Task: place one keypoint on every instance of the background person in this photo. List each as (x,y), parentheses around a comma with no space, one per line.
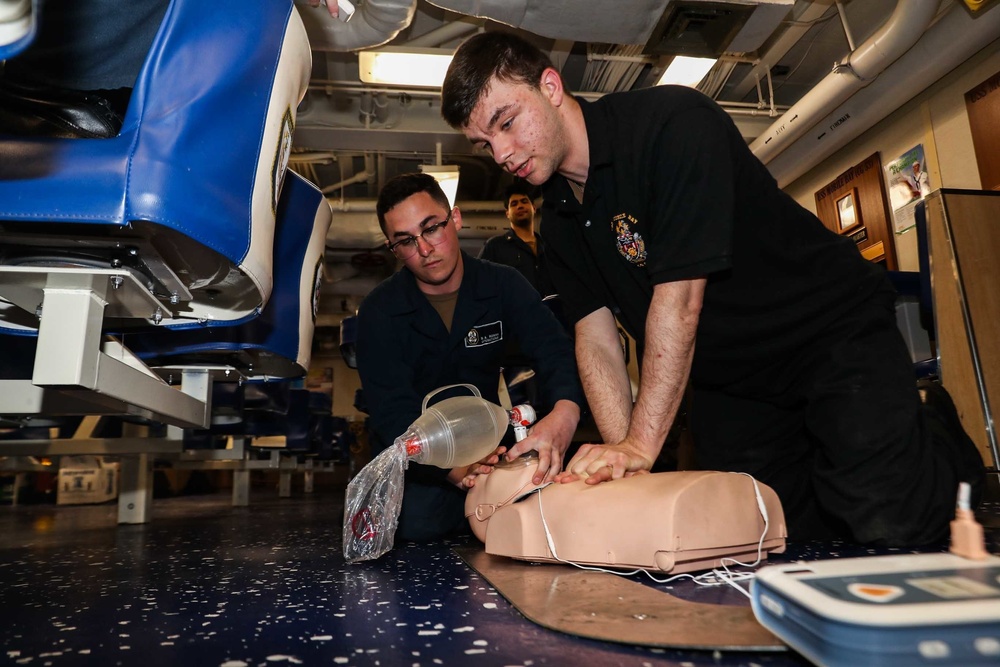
(519,246)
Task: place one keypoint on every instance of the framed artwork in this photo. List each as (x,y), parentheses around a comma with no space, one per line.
(848,212)
(855,205)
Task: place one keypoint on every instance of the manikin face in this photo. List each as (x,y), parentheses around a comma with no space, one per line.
(508,482)
(437,268)
(520,127)
(520,211)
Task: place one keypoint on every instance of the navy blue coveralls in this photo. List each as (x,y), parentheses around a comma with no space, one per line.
(404,352)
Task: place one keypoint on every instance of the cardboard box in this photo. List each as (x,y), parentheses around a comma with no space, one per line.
(87,479)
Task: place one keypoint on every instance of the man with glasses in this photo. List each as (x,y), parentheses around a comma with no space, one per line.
(443,319)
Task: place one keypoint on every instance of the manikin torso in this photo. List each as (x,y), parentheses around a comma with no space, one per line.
(671,522)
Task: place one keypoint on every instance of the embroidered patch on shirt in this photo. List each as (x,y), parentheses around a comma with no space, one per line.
(629,242)
(484,334)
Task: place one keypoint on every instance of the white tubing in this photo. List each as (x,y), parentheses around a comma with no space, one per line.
(950,42)
(893,39)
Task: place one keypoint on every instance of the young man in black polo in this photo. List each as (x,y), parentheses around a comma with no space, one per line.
(656,214)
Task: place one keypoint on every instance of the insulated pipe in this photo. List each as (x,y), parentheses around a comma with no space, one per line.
(373,24)
(313,156)
(579,21)
(893,39)
(368,206)
(949,42)
(359,177)
(446,33)
(365,174)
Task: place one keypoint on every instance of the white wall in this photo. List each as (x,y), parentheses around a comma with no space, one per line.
(936,118)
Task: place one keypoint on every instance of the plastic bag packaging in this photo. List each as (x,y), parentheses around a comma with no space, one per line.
(371,511)
(456,432)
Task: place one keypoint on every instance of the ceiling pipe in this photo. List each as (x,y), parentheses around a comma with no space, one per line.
(947,44)
(318,157)
(801,23)
(900,32)
(356,225)
(374,23)
(446,32)
(368,206)
(845,24)
(561,20)
(359,177)
(366,174)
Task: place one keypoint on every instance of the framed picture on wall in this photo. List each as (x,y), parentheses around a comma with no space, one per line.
(848,213)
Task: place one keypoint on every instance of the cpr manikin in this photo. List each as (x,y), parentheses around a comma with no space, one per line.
(670,522)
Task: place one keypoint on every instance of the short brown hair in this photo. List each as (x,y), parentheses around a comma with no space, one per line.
(480,59)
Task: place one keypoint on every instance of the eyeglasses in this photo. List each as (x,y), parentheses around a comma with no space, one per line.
(432,234)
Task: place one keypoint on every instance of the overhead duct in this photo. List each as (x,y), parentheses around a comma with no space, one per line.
(374,23)
(900,32)
(445,33)
(613,24)
(949,42)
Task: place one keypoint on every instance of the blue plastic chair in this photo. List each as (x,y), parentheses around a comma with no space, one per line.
(184,199)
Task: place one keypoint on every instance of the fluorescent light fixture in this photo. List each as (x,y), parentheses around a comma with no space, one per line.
(686,71)
(404,66)
(446,176)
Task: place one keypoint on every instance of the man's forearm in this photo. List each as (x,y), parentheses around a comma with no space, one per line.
(561,423)
(671,324)
(604,375)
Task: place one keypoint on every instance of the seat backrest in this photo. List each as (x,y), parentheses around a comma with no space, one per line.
(278,342)
(198,166)
(18,26)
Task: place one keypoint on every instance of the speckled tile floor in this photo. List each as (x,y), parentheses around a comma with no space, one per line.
(208,584)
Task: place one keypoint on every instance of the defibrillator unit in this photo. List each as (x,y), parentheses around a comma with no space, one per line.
(915,609)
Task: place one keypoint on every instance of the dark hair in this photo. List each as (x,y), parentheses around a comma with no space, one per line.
(405,186)
(480,59)
(516,188)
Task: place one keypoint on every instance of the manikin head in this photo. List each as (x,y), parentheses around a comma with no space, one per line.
(508,482)
(422,230)
(506,97)
(520,208)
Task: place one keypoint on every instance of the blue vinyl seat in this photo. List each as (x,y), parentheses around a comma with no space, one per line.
(18,26)
(184,199)
(277,342)
(186,221)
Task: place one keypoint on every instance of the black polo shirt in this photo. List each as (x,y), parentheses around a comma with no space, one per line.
(510,250)
(674,193)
